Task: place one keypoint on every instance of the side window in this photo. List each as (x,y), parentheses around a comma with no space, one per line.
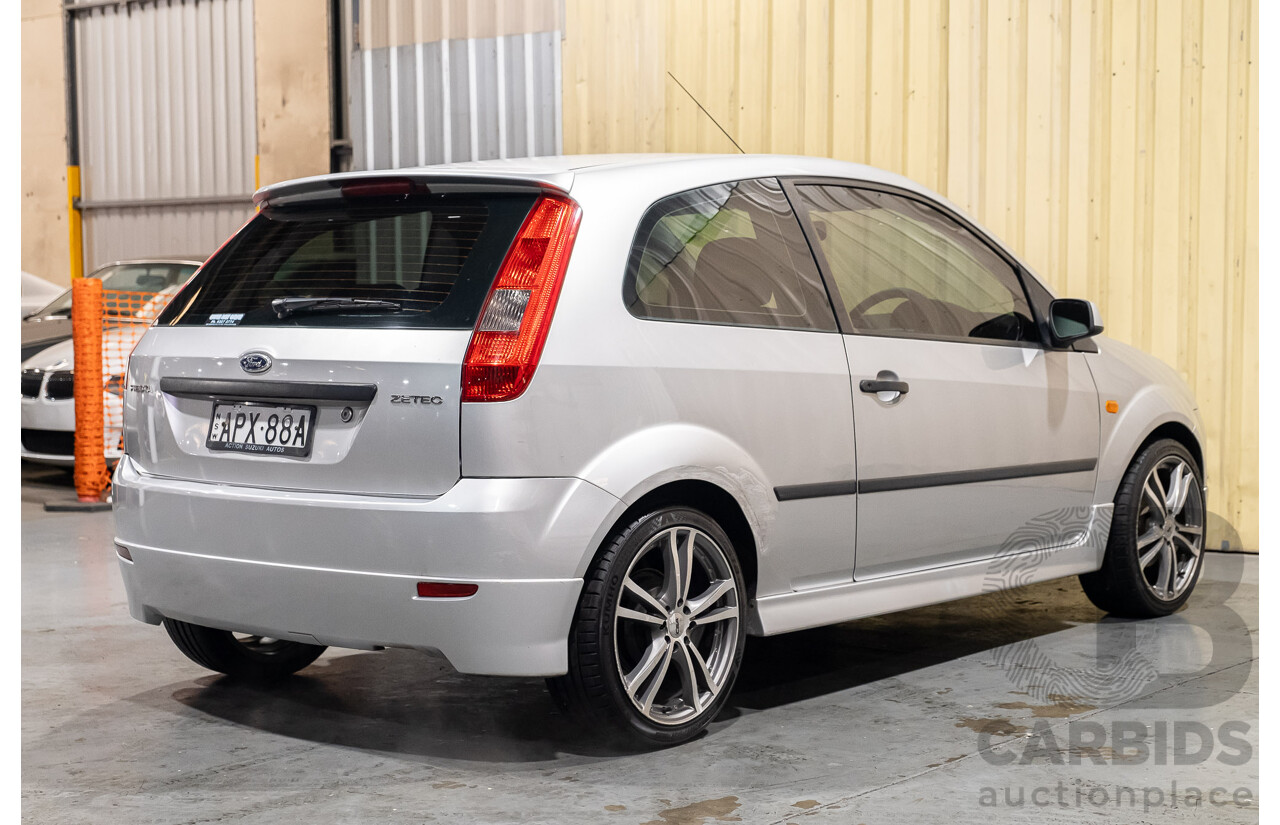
(731,253)
(904,267)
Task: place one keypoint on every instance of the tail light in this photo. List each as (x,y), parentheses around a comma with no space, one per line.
(513,325)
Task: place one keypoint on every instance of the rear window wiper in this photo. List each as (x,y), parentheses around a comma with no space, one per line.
(284,307)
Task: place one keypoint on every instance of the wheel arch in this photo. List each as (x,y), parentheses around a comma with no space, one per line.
(709,498)
(1114,463)
(717,503)
(1153,402)
(1152,413)
(1180,433)
(677,458)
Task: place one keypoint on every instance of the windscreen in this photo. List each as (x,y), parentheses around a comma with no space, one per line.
(425,262)
(137,277)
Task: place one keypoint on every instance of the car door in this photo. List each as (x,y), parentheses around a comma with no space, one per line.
(972,438)
(744,346)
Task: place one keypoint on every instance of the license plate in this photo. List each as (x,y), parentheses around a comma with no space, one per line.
(251,427)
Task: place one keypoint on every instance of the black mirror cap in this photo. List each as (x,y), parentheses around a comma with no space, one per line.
(1071,319)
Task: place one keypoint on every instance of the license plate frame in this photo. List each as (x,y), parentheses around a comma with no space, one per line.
(254,447)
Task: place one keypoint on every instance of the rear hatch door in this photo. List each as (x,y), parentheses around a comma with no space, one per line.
(321,349)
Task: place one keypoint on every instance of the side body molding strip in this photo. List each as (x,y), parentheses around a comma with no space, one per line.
(885,485)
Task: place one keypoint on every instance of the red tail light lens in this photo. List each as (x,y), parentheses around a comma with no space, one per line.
(513,324)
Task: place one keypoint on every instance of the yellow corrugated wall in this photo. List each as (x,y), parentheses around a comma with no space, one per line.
(1113,142)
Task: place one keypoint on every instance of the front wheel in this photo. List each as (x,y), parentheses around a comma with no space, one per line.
(241,656)
(1153,554)
(657,639)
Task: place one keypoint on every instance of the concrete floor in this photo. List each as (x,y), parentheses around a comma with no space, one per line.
(909,717)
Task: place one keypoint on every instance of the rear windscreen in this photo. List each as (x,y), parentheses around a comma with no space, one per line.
(425,263)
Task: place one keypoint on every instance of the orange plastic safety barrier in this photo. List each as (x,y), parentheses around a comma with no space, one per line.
(86,333)
(106,325)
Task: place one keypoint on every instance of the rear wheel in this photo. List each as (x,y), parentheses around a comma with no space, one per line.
(1154,552)
(239,655)
(657,639)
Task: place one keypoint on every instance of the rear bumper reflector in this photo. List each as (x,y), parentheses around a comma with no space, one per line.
(445,590)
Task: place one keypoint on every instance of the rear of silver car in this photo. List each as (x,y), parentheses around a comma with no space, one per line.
(299,405)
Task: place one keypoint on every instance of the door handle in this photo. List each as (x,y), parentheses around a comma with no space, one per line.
(878,385)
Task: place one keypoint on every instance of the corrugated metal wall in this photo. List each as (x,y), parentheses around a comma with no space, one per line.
(167,137)
(1115,143)
(435,82)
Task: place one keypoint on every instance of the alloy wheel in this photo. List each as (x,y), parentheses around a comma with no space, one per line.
(1170,528)
(675,625)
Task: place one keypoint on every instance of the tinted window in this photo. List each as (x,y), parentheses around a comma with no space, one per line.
(432,258)
(904,267)
(726,254)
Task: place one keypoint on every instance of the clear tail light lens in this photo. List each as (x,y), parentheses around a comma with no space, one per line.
(513,324)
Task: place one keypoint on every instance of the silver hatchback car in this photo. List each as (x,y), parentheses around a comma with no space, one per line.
(599,418)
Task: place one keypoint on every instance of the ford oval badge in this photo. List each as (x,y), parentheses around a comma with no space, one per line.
(255,363)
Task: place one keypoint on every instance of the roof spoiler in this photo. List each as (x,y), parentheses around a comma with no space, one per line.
(392,183)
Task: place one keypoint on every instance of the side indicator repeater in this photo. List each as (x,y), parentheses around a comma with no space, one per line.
(1113,407)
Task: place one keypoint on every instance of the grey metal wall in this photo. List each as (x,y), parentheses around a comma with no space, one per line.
(167,125)
(418,93)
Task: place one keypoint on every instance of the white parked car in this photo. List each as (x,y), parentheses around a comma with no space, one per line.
(599,418)
(47,409)
(51,322)
(37,292)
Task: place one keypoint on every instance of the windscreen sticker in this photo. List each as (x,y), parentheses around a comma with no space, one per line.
(224,319)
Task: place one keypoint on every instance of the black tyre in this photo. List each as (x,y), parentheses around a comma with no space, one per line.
(1154,551)
(657,639)
(252,658)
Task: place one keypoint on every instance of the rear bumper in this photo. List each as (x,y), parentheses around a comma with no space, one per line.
(342,570)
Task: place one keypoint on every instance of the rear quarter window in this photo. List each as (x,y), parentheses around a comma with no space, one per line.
(731,254)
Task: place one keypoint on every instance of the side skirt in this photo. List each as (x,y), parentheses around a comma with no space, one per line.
(787,612)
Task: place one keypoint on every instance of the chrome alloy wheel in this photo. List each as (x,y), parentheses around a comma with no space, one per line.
(675,625)
(1170,528)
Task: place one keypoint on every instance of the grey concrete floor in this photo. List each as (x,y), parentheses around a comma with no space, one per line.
(944,714)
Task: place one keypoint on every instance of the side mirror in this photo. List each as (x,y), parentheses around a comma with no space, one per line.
(1071,319)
